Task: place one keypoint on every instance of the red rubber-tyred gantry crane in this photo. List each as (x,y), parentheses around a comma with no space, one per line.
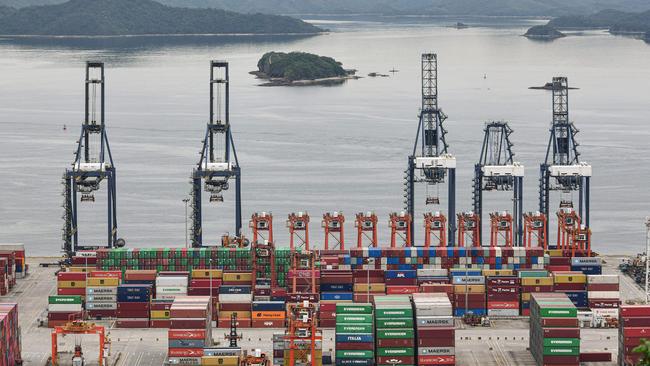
(333,225)
(79,328)
(303,334)
(435,226)
(468,230)
(400,228)
(262,226)
(298,223)
(366,225)
(535,230)
(501,229)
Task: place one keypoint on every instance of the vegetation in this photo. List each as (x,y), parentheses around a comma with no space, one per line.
(299,66)
(544,32)
(644,350)
(138,17)
(615,21)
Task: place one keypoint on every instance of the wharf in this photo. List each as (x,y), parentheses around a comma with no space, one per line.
(505,343)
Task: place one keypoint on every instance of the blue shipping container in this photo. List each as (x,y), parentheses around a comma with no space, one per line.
(336,287)
(354,338)
(400,274)
(355,361)
(269,306)
(235,289)
(336,296)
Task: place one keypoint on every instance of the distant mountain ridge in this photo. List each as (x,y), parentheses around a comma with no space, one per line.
(141,17)
(615,21)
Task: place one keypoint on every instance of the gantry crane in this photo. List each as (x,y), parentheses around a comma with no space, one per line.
(79,328)
(562,170)
(366,223)
(303,276)
(93,164)
(433,160)
(401,225)
(262,226)
(534,229)
(435,226)
(468,229)
(216,165)
(298,223)
(303,335)
(497,171)
(333,224)
(264,273)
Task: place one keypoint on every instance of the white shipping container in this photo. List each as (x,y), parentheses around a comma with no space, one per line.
(171,281)
(434,321)
(101,298)
(171,290)
(434,311)
(432,272)
(101,306)
(101,290)
(503,312)
(470,280)
(606,313)
(235,298)
(185,361)
(603,279)
(64,307)
(436,351)
(586,261)
(604,295)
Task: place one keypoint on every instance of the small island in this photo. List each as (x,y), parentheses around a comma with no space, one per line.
(300,69)
(544,32)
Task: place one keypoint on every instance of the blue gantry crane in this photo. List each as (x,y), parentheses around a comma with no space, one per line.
(562,170)
(497,171)
(433,160)
(218,162)
(93,164)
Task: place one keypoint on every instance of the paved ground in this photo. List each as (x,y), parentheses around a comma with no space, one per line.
(505,343)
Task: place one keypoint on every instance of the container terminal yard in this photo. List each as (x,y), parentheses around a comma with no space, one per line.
(516,295)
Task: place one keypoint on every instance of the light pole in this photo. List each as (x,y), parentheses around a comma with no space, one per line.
(647,258)
(186,200)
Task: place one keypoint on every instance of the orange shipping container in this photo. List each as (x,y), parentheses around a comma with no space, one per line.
(269,315)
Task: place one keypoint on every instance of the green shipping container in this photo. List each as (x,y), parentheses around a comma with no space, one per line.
(395,333)
(394,313)
(354,354)
(64,299)
(353,328)
(359,318)
(561,342)
(353,309)
(396,352)
(395,323)
(558,312)
(561,351)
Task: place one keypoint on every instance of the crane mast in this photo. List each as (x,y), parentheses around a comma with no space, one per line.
(432,160)
(218,162)
(562,170)
(93,164)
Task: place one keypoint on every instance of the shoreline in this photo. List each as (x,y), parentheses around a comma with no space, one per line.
(335,80)
(160,35)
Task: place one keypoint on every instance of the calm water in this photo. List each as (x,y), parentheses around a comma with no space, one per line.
(316,148)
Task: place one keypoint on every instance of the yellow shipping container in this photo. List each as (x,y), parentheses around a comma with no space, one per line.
(240,314)
(71,284)
(472,289)
(374,287)
(555,253)
(269,314)
(525,296)
(159,314)
(80,269)
(238,277)
(537,281)
(220,361)
(570,278)
(98,282)
(205,273)
(319,358)
(498,272)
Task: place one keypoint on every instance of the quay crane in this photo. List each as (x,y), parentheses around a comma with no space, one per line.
(366,224)
(497,171)
(93,164)
(563,171)
(216,165)
(433,161)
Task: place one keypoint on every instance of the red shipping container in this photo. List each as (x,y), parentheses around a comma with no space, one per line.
(102,313)
(436,360)
(502,281)
(604,303)
(64,315)
(562,360)
(363,273)
(561,333)
(71,276)
(267,323)
(369,280)
(393,343)
(132,323)
(401,281)
(398,290)
(71,291)
(186,334)
(241,323)
(595,357)
(635,321)
(602,287)
(636,332)
(328,307)
(235,306)
(503,304)
(539,288)
(189,312)
(503,297)
(327,323)
(190,323)
(132,306)
(364,297)
(106,274)
(216,283)
(569,287)
(561,261)
(437,288)
(161,305)
(396,360)
(185,352)
(635,310)
(160,323)
(559,322)
(437,342)
(442,332)
(132,313)
(356,346)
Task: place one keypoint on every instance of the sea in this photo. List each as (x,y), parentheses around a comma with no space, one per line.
(317,149)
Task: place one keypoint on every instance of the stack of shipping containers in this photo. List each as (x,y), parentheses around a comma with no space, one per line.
(533,282)
(336,287)
(62,309)
(133,306)
(503,297)
(206,282)
(367,283)
(10,270)
(354,335)
(574,285)
(278,349)
(170,285)
(435,331)
(71,283)
(4,279)
(268,314)
(469,294)
(401,282)
(587,265)
(101,293)
(235,297)
(190,329)
(395,333)
(603,295)
(9,335)
(634,325)
(554,331)
(20,267)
